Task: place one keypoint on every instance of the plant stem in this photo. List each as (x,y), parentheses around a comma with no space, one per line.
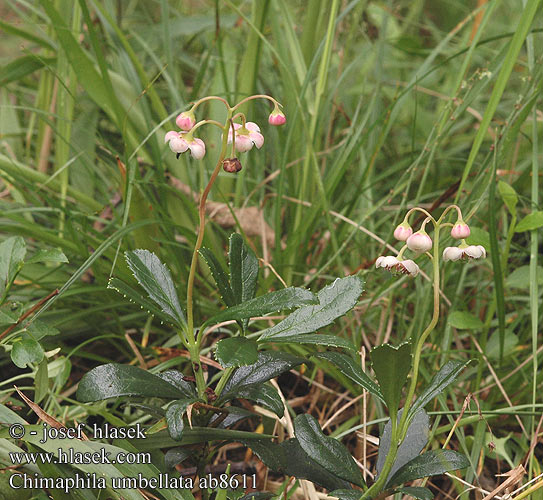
(194,346)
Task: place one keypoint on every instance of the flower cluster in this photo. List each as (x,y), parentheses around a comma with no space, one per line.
(243,136)
(420,242)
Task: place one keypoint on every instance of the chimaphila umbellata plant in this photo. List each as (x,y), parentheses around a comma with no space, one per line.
(250,359)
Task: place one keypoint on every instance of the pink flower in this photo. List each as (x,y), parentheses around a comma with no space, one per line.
(186,120)
(246,137)
(394,264)
(419,242)
(464,252)
(179,144)
(460,231)
(403,231)
(277,117)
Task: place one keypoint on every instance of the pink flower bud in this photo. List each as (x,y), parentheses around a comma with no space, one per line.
(403,231)
(277,117)
(419,242)
(460,231)
(186,120)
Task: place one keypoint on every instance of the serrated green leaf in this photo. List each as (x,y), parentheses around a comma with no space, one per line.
(12,254)
(419,492)
(443,378)
(156,279)
(174,417)
(263,394)
(316,339)
(415,440)
(346,494)
(175,456)
(530,222)
(236,351)
(286,298)
(25,352)
(243,269)
(509,196)
(351,369)
(220,276)
(464,320)
(431,463)
(269,365)
(136,297)
(48,255)
(113,380)
(335,300)
(391,366)
(328,452)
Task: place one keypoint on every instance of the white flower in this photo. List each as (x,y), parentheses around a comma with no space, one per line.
(419,242)
(246,137)
(464,252)
(178,144)
(394,264)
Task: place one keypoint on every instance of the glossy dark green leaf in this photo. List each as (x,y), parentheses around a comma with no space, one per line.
(156,279)
(443,378)
(12,254)
(235,415)
(220,276)
(315,339)
(391,366)
(26,351)
(174,417)
(418,492)
(346,494)
(415,440)
(48,255)
(236,351)
(175,456)
(352,369)
(177,379)
(326,451)
(290,459)
(263,394)
(431,463)
(269,365)
(334,301)
(113,380)
(286,298)
(243,269)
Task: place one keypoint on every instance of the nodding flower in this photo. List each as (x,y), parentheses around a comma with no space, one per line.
(460,230)
(394,264)
(403,231)
(277,117)
(419,242)
(185,120)
(246,136)
(464,252)
(179,143)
